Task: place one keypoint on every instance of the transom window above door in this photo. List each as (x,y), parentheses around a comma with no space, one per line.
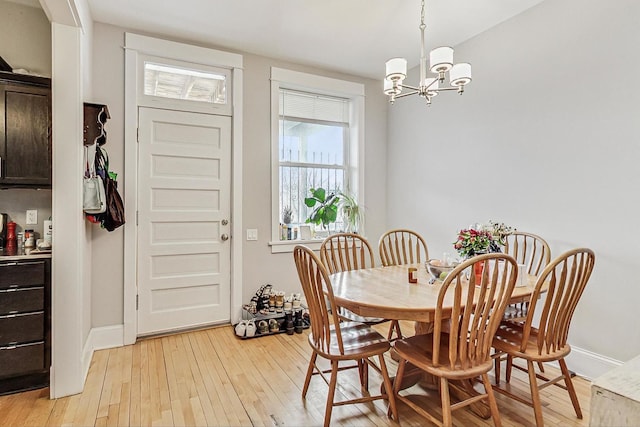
(182,83)
(185,86)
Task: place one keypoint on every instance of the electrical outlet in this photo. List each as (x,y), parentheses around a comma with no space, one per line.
(252,234)
(32,217)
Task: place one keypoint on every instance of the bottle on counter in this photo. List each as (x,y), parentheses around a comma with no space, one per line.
(29,238)
(48,230)
(11,238)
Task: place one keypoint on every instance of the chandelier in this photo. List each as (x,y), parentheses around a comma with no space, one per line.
(440,61)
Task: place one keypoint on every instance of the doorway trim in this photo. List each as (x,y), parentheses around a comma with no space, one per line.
(134,45)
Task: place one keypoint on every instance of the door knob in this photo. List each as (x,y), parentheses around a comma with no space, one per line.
(224,237)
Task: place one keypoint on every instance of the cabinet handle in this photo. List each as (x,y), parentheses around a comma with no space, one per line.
(15,288)
(11,316)
(14,345)
(0,167)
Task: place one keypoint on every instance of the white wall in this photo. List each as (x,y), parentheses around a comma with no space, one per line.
(259,265)
(546,139)
(26,38)
(107,276)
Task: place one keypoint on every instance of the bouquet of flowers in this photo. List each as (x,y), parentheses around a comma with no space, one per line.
(480,239)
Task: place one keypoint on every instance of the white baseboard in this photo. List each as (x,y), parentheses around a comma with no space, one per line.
(98,339)
(588,364)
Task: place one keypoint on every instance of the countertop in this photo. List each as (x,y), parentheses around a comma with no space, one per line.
(23,254)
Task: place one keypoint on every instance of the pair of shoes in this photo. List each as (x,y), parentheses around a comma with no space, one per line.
(246,328)
(263,327)
(274,326)
(251,328)
(298,325)
(289,323)
(241,328)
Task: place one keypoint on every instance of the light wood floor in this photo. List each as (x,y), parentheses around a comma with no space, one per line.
(210,377)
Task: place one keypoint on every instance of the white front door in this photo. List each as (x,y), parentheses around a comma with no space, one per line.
(184,257)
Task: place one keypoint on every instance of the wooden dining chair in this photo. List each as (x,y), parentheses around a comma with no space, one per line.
(532,251)
(563,281)
(461,348)
(338,341)
(349,251)
(402,247)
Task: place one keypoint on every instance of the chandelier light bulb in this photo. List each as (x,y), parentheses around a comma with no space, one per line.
(396,69)
(460,74)
(441,59)
(389,89)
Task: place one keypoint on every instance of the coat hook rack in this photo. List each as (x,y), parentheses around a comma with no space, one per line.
(95,117)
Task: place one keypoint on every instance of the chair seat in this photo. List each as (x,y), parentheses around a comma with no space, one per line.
(508,339)
(350,316)
(359,341)
(418,351)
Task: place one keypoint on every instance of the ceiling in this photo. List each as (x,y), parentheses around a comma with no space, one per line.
(351,36)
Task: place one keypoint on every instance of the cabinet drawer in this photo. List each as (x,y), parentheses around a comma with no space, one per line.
(20,328)
(19,300)
(15,274)
(21,359)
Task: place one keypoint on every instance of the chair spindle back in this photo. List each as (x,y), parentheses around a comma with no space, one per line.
(566,278)
(402,246)
(477,309)
(345,252)
(528,249)
(319,295)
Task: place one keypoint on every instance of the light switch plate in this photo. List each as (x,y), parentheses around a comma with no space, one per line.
(32,217)
(252,234)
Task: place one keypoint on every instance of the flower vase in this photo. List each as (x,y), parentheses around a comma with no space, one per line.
(478,267)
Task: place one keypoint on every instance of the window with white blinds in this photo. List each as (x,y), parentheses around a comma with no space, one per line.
(313,150)
(317,141)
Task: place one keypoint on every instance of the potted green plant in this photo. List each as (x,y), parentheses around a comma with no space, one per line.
(325,207)
(287,217)
(351,212)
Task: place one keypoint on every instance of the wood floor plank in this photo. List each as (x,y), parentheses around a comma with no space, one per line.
(135,396)
(219,386)
(210,377)
(19,410)
(60,408)
(40,410)
(90,400)
(201,403)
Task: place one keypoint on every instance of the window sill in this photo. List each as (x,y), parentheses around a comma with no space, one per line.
(282,246)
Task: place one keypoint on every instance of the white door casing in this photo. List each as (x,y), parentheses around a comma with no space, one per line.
(184,206)
(137,46)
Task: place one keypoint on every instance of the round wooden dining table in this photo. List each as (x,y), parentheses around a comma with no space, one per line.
(385,292)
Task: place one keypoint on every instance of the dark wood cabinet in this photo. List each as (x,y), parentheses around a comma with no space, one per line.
(25,324)
(25,130)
